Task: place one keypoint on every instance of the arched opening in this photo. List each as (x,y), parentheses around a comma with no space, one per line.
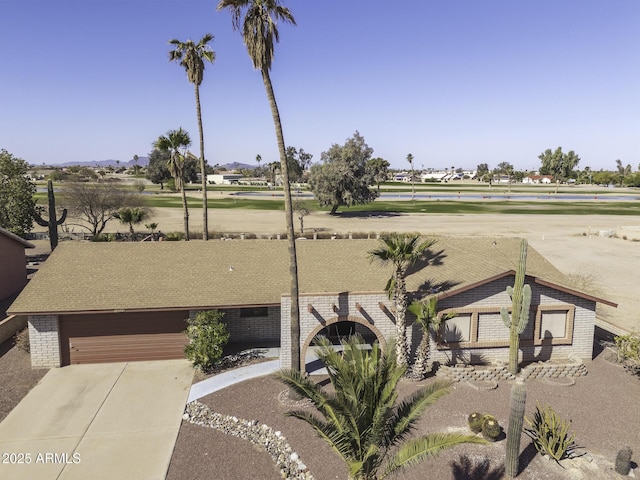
(341,327)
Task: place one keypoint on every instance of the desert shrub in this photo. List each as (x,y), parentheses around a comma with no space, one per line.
(623,461)
(104,237)
(475,422)
(21,340)
(207,338)
(550,434)
(628,346)
(174,236)
(491,429)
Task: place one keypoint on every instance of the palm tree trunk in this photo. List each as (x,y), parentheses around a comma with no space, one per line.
(185,209)
(402,347)
(422,357)
(203,174)
(288,208)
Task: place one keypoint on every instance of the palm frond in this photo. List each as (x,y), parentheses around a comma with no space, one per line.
(409,411)
(418,449)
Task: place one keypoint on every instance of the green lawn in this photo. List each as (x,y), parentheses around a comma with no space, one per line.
(589,207)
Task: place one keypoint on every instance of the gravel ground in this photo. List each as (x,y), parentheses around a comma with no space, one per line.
(603,407)
(16,376)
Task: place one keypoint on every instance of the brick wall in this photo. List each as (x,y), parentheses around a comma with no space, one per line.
(250,329)
(486,301)
(44,339)
(318,311)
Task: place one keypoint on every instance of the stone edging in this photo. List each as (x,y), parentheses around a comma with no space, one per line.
(263,436)
(574,367)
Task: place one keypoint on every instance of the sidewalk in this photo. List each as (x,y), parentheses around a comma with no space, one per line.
(237,375)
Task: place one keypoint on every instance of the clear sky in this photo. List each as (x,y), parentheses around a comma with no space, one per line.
(454,82)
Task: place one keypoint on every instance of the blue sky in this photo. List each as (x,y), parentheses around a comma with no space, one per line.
(455,83)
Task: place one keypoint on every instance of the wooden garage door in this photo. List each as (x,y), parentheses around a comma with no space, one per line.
(122,337)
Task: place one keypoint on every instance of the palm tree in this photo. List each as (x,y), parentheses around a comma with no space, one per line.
(176,142)
(413,187)
(402,250)
(192,56)
(132,216)
(362,420)
(622,171)
(426,313)
(259,29)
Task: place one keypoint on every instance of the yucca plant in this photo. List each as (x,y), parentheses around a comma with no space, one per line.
(362,421)
(550,434)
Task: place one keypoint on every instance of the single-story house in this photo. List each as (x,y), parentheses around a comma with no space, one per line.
(223,178)
(103,302)
(537,179)
(13,273)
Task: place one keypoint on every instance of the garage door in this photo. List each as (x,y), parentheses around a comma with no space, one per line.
(122,337)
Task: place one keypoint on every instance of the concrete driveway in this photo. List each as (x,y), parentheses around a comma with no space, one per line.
(106,421)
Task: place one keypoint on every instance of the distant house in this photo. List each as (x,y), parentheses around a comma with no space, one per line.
(537,179)
(13,270)
(79,312)
(223,178)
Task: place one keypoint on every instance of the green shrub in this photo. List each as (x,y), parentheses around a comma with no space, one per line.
(174,236)
(104,237)
(207,338)
(491,429)
(475,422)
(550,434)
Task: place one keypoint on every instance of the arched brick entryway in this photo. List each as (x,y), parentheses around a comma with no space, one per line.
(345,318)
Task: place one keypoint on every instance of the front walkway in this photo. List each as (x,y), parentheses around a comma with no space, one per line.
(236,375)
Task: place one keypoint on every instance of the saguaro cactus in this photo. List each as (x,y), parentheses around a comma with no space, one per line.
(52,222)
(520,301)
(514,430)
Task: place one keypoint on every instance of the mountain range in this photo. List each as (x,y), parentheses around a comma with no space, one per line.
(143,162)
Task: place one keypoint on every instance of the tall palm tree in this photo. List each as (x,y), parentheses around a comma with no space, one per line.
(622,171)
(401,250)
(426,313)
(259,29)
(413,186)
(192,56)
(362,420)
(176,142)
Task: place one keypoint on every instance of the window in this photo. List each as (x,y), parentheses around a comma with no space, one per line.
(457,329)
(254,312)
(482,327)
(554,324)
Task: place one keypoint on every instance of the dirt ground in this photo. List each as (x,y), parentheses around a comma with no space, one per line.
(571,242)
(602,407)
(16,376)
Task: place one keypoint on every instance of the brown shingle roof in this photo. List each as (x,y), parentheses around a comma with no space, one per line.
(182,275)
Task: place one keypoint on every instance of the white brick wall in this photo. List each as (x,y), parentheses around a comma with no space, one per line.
(491,327)
(44,338)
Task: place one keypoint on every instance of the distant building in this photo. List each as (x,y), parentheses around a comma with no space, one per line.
(224,178)
(537,179)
